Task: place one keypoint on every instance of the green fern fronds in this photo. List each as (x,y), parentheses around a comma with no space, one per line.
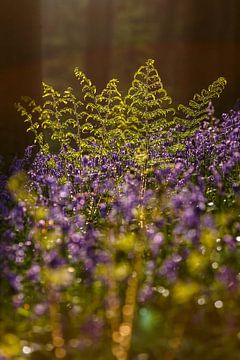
(147,104)
(96,124)
(72,112)
(52,115)
(197,110)
(62,119)
(87,88)
(108,117)
(31,112)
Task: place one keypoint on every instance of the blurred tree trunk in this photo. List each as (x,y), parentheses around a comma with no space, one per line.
(20,69)
(99,32)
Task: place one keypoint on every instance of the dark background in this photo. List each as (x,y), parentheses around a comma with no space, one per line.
(192,41)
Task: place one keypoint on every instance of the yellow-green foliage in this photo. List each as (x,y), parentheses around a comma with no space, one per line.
(97,123)
(147,103)
(197,110)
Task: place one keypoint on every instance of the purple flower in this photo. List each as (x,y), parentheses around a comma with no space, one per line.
(230,242)
(40,309)
(227,277)
(156,243)
(33,273)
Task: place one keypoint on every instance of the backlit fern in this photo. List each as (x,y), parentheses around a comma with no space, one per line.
(147,103)
(197,110)
(107,117)
(96,124)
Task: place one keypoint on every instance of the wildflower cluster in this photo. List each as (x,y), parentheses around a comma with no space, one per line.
(120,233)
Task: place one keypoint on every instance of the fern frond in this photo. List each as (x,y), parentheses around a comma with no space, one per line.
(197,110)
(88,89)
(143,122)
(31,111)
(147,106)
(106,116)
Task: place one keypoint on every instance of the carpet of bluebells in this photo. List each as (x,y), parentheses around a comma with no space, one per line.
(110,259)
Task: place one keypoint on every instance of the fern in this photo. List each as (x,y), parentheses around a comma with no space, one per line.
(31,112)
(197,110)
(74,116)
(147,105)
(52,115)
(107,115)
(96,124)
